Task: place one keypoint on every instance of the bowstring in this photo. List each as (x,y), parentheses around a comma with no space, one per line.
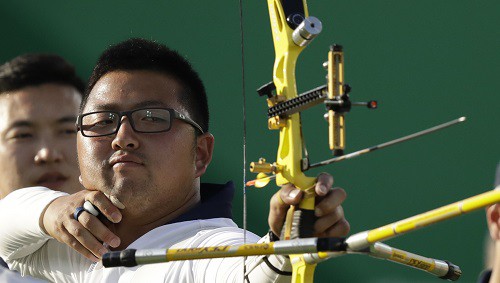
(242,43)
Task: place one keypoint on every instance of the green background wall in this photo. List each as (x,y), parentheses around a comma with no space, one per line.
(426,62)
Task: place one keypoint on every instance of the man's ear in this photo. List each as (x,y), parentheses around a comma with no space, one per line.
(493,219)
(204,152)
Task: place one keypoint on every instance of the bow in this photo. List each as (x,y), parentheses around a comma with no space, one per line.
(292,30)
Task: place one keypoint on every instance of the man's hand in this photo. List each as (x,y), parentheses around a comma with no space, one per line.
(87,234)
(331,221)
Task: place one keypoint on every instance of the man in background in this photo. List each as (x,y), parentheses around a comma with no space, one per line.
(39,99)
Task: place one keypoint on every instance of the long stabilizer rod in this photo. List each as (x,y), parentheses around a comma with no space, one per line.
(440,268)
(363,240)
(315,250)
(133,257)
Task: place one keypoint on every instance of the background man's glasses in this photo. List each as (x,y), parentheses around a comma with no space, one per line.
(147,120)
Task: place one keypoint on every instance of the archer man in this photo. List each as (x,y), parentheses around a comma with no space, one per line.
(143,144)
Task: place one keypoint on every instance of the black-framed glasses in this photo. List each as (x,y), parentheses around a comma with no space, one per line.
(145,120)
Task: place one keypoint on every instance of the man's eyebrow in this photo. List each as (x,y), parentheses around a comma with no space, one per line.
(26,123)
(116,106)
(21,123)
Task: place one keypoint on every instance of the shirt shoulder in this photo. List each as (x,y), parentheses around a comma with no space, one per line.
(194,233)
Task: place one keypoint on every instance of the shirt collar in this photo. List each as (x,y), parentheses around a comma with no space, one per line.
(216,202)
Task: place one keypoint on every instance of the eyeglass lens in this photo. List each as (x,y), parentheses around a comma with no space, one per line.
(142,120)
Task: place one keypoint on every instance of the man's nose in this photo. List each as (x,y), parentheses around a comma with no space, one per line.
(126,137)
(48,154)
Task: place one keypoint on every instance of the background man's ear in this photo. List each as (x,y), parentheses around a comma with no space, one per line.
(204,152)
(493,219)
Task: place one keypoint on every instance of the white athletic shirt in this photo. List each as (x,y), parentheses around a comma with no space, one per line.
(26,248)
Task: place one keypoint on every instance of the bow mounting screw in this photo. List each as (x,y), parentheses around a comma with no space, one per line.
(263,167)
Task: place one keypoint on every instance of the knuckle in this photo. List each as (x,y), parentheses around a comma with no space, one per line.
(107,237)
(339,212)
(106,210)
(285,190)
(345,227)
(95,197)
(85,220)
(324,223)
(340,193)
(282,196)
(73,244)
(276,200)
(63,238)
(273,203)
(77,231)
(325,178)
(58,231)
(318,227)
(59,227)
(91,196)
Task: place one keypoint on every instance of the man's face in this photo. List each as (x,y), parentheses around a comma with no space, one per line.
(144,171)
(37,138)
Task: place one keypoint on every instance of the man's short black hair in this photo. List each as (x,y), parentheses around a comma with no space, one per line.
(142,54)
(36,69)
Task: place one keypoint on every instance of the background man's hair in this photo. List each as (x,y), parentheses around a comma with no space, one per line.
(36,69)
(142,54)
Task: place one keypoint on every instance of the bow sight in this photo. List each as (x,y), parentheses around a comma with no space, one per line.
(335,96)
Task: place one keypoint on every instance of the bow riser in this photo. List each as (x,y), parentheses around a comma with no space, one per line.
(289,156)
